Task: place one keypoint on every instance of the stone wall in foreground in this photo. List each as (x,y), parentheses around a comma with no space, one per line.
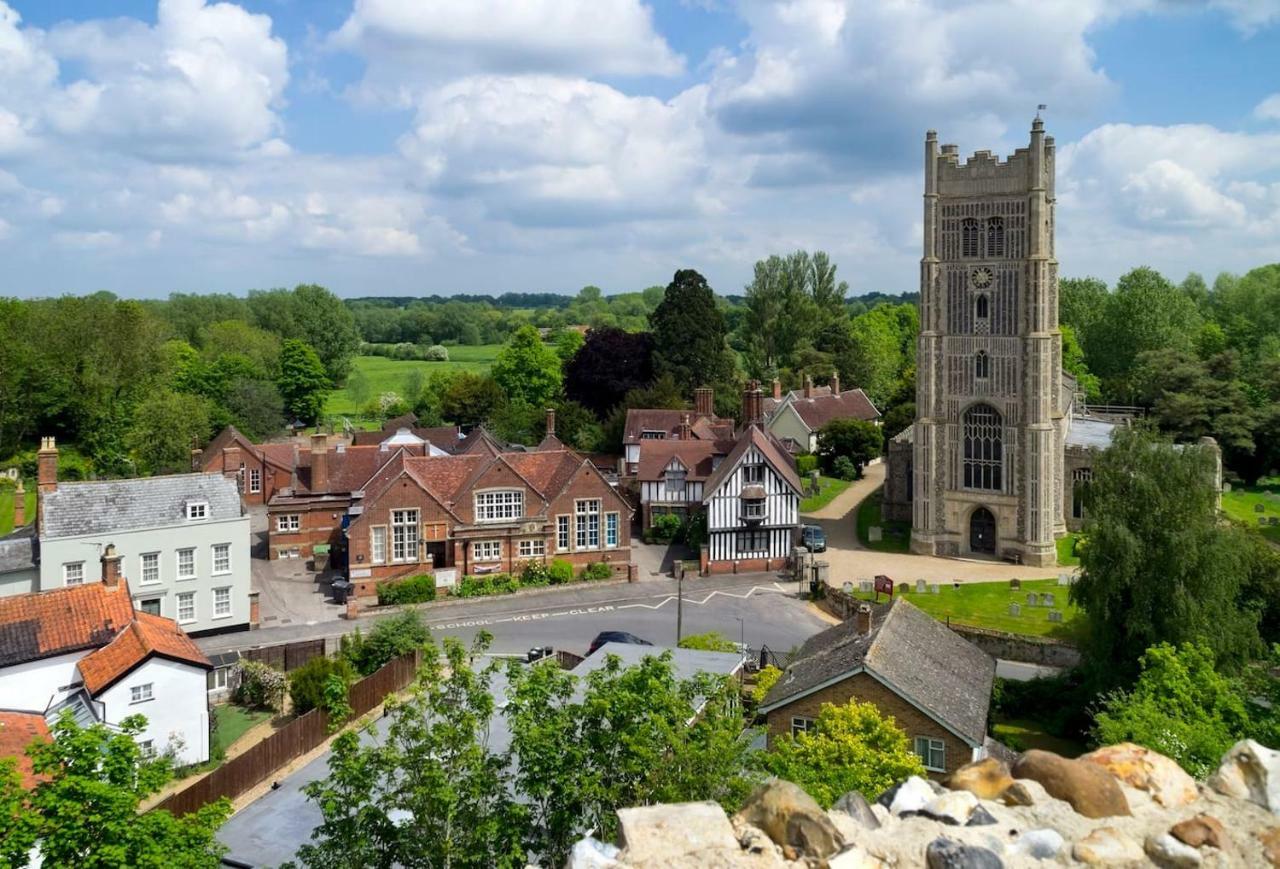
(1119,806)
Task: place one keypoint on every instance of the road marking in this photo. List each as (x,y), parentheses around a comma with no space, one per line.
(525,617)
(776,589)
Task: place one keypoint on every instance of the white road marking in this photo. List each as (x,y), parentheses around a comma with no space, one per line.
(693,602)
(526,617)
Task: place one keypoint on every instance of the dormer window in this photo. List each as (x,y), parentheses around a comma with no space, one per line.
(197,511)
(501,505)
(675,479)
(651,435)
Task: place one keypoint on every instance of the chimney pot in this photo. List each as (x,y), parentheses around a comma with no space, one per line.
(835,382)
(777,389)
(808,386)
(47,465)
(704,401)
(19,505)
(752,404)
(685,431)
(319,462)
(110,566)
(863,617)
(551,422)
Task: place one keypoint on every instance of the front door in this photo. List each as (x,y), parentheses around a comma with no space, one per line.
(982,531)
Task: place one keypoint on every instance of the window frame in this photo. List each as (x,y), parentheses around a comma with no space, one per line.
(752,473)
(982,449)
(67,571)
(486,551)
(970,238)
(159,602)
(195,568)
(675,480)
(142,568)
(255,481)
(612,534)
(143,693)
(226,547)
(931,744)
(491,506)
(982,306)
(229,612)
(802,724)
(288,523)
(197,511)
(376,532)
(191,596)
(754,508)
(406,535)
(752,535)
(588,532)
(982,365)
(531,547)
(564,532)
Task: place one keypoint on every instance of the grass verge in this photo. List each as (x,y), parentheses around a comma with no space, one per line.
(896,536)
(828,488)
(986,605)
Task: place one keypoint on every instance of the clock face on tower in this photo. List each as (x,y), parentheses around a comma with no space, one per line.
(980,277)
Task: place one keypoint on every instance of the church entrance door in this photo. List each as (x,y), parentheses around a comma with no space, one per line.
(982,531)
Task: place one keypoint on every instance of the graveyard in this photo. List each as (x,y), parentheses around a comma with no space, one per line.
(1033,607)
(1256,506)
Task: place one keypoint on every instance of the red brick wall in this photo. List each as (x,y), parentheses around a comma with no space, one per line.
(318,523)
(273,479)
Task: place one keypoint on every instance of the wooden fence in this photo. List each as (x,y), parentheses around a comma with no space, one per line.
(295,739)
(286,656)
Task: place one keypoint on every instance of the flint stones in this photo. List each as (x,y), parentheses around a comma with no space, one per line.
(1270,841)
(855,806)
(953,807)
(911,795)
(1091,790)
(1107,846)
(1021,793)
(1250,771)
(791,818)
(944,853)
(1199,831)
(1040,844)
(1148,771)
(1167,851)
(854,857)
(986,779)
(662,833)
(980,818)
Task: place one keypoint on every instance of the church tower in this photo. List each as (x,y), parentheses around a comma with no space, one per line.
(991,409)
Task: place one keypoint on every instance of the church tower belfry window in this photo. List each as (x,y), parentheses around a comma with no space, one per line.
(969,237)
(995,237)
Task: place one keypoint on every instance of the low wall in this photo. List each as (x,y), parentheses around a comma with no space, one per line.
(1017,647)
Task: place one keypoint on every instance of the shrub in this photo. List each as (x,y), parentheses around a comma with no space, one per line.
(844,468)
(535,573)
(258,686)
(711,641)
(389,639)
(806,464)
(597,570)
(561,572)
(436,353)
(482,586)
(307,683)
(665,527)
(414,589)
(765,680)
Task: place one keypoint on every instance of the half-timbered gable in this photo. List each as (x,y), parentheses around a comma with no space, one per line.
(671,475)
(752,502)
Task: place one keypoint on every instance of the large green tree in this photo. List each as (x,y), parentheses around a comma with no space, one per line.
(882,350)
(1146,312)
(166,425)
(312,314)
(528,369)
(303,383)
(857,440)
(689,333)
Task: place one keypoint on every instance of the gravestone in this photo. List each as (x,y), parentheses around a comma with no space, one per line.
(1055,616)
(1275,520)
(1047,599)
(1259,508)
(848,588)
(1015,585)
(1032,600)
(875,534)
(1064,579)
(903,588)
(1015,610)
(935,589)
(866,586)
(920,586)
(1262,520)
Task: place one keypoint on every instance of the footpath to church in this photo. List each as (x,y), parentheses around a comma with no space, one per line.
(850,561)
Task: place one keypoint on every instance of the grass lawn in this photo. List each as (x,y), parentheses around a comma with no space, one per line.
(896,536)
(1021,734)
(1240,504)
(233,722)
(1066,545)
(828,488)
(389,375)
(986,605)
(6,508)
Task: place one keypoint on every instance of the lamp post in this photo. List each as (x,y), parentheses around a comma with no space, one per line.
(679,606)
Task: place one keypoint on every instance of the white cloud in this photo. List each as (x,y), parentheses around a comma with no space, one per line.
(1268,109)
(1249,16)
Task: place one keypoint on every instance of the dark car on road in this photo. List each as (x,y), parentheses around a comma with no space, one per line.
(813,538)
(615,637)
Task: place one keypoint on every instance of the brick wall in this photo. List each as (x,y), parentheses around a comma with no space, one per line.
(318,523)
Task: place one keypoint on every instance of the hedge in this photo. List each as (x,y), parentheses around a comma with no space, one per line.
(414,589)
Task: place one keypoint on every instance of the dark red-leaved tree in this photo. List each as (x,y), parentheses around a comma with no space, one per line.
(609,364)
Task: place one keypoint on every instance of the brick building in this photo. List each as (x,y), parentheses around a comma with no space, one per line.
(935,684)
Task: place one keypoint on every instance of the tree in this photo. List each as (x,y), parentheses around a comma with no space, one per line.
(255,408)
(390,638)
(528,369)
(567,343)
(780,312)
(609,364)
(86,811)
(881,350)
(711,641)
(1146,312)
(470,398)
(899,418)
(1073,363)
(307,683)
(313,315)
(1159,566)
(857,440)
(689,333)
(165,427)
(1082,303)
(851,748)
(303,383)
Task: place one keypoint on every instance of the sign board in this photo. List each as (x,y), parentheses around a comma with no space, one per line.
(884,584)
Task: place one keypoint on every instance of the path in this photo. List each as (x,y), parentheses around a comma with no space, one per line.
(850,561)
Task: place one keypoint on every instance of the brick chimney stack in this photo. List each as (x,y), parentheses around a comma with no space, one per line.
(47,466)
(551,422)
(319,462)
(704,401)
(777,389)
(110,566)
(863,619)
(685,431)
(752,404)
(808,386)
(231,462)
(835,382)
(19,505)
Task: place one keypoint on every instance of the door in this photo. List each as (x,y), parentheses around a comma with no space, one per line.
(982,531)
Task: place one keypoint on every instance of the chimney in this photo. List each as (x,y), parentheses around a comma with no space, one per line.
(197,458)
(47,466)
(685,431)
(835,382)
(777,389)
(230,461)
(319,462)
(752,404)
(551,422)
(19,505)
(704,401)
(110,566)
(863,619)
(808,386)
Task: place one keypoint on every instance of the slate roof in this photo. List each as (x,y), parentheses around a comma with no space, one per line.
(112,506)
(698,458)
(18,549)
(146,635)
(918,657)
(819,410)
(47,623)
(773,453)
(17,730)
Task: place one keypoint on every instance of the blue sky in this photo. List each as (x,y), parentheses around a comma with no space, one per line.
(412,147)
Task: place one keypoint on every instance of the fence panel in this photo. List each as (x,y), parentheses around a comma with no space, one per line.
(297,654)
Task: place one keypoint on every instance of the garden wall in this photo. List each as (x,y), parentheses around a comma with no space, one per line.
(1016,647)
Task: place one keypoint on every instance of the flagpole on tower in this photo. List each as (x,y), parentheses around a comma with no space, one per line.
(1040,108)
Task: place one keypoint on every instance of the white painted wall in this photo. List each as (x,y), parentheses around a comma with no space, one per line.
(19,582)
(724,512)
(179,708)
(31,686)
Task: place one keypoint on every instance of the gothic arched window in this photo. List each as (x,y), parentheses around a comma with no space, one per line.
(995,236)
(983,448)
(982,307)
(969,237)
(982,365)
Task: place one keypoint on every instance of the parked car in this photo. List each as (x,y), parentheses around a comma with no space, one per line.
(813,538)
(615,637)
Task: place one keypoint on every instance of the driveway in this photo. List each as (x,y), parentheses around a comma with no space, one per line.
(850,561)
(287,592)
(654,560)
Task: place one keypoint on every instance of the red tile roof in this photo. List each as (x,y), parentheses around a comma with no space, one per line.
(444,476)
(145,636)
(697,457)
(47,623)
(641,420)
(17,730)
(821,409)
(769,448)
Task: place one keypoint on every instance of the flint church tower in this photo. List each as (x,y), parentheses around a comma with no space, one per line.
(987,455)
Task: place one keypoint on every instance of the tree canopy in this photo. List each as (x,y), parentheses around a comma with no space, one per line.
(528,369)
(689,333)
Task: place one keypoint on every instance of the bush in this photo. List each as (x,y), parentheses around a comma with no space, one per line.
(665,527)
(436,353)
(482,586)
(258,686)
(535,573)
(711,641)
(561,572)
(390,638)
(765,680)
(844,468)
(806,464)
(307,683)
(414,589)
(597,570)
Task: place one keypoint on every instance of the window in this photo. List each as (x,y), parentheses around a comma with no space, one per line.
(141,693)
(186,607)
(753,508)
(197,510)
(1080,479)
(150,605)
(255,479)
(288,522)
(217,678)
(983,448)
(675,480)
(982,365)
(611,530)
(486,550)
(73,573)
(533,548)
(753,473)
(802,724)
(147,747)
(562,533)
(588,524)
(499,506)
(404,535)
(969,237)
(653,435)
(222,558)
(995,236)
(982,307)
(222,602)
(933,752)
(186,564)
(150,568)
(752,541)
(378,544)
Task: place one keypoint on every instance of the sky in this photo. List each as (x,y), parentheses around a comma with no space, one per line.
(419,147)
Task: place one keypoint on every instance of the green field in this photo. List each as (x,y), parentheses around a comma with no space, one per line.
(6,509)
(828,488)
(986,605)
(1242,503)
(389,375)
(896,535)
